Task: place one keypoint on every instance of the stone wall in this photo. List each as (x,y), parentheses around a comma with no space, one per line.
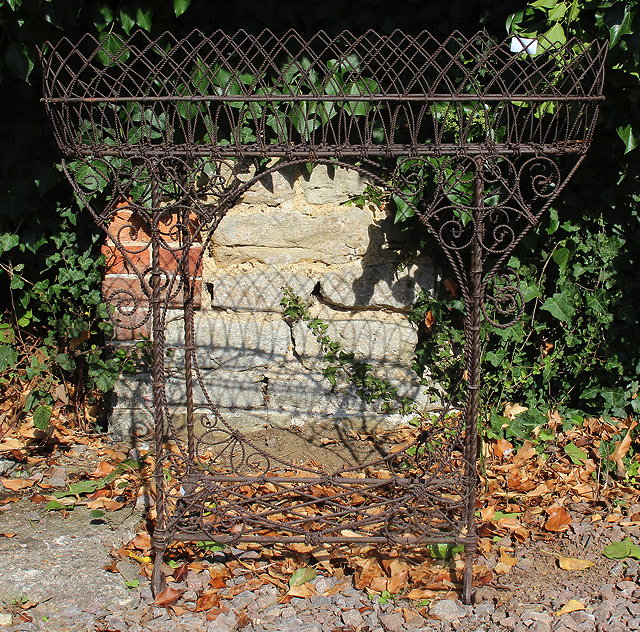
(292,230)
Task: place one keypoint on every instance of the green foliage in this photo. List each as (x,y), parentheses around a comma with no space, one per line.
(444,551)
(343,365)
(622,550)
(576,348)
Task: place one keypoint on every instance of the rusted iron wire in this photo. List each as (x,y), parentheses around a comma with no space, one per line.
(476,139)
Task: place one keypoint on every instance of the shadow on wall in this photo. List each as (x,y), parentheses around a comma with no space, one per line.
(293,230)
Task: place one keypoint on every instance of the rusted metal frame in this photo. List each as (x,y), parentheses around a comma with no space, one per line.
(468,261)
(161,535)
(472,362)
(349,151)
(205,535)
(340,98)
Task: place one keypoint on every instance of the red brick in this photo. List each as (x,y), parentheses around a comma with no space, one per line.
(126,291)
(139,259)
(167,227)
(122,287)
(127,225)
(129,327)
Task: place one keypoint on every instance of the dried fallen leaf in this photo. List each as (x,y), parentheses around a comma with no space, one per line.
(145,559)
(8,535)
(303,591)
(502,448)
(571,606)
(212,614)
(574,563)
(11,444)
(334,590)
(104,469)
(507,559)
(168,597)
(559,519)
(621,450)
(207,600)
(142,542)
(397,582)
(429,320)
(420,593)
(178,611)
(179,573)
(511,410)
(16,484)
(501,568)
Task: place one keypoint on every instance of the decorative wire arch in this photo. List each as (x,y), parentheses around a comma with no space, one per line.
(477,136)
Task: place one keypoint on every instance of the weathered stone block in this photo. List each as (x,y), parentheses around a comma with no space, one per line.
(259,291)
(332,185)
(125,423)
(385,285)
(230,341)
(137,423)
(375,337)
(290,389)
(289,236)
(229,389)
(271,189)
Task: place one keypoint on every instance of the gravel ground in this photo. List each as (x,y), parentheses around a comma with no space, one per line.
(52,578)
(57,563)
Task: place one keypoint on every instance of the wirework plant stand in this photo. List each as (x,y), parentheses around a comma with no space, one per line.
(478,137)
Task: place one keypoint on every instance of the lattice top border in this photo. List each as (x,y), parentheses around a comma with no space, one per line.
(354,86)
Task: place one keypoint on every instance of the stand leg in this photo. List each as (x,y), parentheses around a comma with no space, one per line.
(158,582)
(472,365)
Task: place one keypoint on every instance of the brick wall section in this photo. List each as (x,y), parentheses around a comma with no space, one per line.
(122,287)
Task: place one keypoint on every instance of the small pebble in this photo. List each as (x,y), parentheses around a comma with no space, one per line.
(393,622)
(352,618)
(447,610)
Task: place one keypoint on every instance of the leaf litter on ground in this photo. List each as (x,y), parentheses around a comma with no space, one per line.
(527,492)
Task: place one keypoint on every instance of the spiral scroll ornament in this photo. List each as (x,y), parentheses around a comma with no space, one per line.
(162,136)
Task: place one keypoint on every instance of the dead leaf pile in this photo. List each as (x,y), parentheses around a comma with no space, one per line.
(527,491)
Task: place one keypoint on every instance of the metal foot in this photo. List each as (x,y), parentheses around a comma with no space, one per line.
(158,578)
(467,581)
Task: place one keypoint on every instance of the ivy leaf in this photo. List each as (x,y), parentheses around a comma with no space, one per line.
(560,306)
(42,416)
(554,36)
(621,26)
(576,454)
(597,302)
(561,257)
(54,505)
(544,4)
(127,21)
(81,487)
(180,6)
(65,362)
(615,400)
(444,551)
(19,60)
(7,242)
(112,50)
(403,210)
(143,18)
(301,576)
(557,12)
(622,550)
(628,137)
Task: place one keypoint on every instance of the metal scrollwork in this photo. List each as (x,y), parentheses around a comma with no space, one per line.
(161,137)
